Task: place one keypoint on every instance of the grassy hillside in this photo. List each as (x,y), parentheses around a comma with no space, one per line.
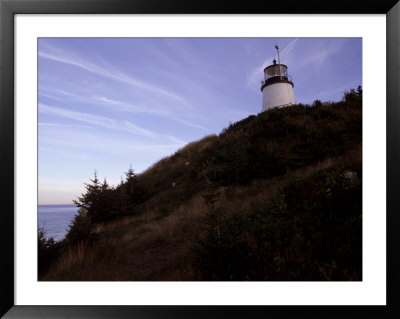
(276,196)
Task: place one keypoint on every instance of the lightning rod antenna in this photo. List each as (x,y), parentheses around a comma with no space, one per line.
(279,61)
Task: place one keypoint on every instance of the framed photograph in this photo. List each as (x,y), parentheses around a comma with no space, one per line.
(245,163)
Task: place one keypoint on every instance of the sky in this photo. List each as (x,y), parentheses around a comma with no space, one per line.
(105,104)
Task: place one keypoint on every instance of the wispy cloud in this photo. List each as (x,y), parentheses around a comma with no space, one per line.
(138,130)
(115,75)
(49,96)
(105,122)
(285,53)
(176,140)
(132,108)
(190,124)
(89,144)
(256,74)
(97,120)
(60,125)
(319,55)
(289,47)
(56,93)
(128,107)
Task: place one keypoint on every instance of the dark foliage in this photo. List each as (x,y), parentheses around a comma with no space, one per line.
(48,251)
(311,232)
(80,229)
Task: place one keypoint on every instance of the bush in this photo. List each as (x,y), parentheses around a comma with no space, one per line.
(317,103)
(80,228)
(311,231)
(48,251)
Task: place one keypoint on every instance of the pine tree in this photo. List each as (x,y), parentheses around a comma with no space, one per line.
(123,200)
(130,185)
(90,200)
(97,201)
(80,228)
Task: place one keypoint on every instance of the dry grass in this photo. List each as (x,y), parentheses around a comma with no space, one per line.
(199,146)
(103,227)
(144,247)
(177,222)
(74,258)
(186,153)
(246,197)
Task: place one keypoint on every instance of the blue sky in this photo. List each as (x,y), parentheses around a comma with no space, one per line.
(107,103)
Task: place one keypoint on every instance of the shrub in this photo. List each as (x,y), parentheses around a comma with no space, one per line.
(80,228)
(317,103)
(48,251)
(311,231)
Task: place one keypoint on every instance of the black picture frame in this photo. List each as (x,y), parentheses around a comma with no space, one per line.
(8,8)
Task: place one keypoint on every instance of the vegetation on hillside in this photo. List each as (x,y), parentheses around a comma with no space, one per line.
(310,231)
(276,196)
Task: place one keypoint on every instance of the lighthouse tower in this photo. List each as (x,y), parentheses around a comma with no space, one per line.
(277,86)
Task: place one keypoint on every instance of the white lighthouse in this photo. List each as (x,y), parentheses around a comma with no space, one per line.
(277,86)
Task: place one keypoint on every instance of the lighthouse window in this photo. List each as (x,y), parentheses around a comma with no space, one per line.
(273,70)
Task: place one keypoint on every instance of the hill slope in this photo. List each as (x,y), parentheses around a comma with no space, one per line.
(275,196)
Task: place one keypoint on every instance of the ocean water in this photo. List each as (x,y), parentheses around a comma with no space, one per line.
(55,219)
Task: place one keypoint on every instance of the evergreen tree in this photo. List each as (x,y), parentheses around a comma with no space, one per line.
(80,228)
(90,200)
(121,191)
(48,250)
(97,201)
(130,186)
